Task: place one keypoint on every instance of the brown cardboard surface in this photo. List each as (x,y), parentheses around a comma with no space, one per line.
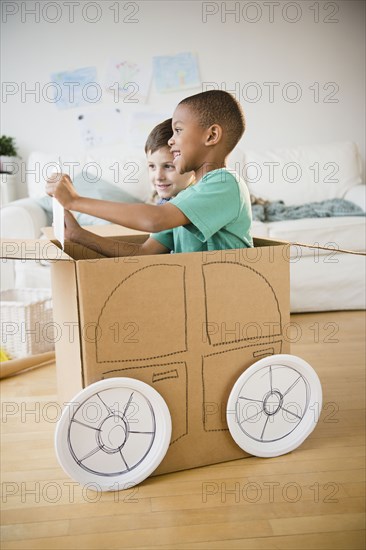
(186,324)
(31,249)
(107,230)
(67,330)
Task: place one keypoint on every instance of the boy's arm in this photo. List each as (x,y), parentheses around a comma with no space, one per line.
(106,245)
(143,217)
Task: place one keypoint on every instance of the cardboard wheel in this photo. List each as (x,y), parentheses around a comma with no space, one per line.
(274,405)
(113,434)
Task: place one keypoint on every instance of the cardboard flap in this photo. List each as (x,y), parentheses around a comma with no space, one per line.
(48,232)
(330,248)
(108,230)
(265,241)
(31,249)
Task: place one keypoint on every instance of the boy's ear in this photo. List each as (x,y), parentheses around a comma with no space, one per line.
(214,135)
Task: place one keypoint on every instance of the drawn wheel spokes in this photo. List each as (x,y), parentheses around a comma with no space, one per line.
(103,424)
(116,429)
(279,410)
(273,401)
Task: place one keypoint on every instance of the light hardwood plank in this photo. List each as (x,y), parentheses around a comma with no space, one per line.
(311,498)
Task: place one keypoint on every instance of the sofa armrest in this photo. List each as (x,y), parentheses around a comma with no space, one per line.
(357,194)
(22,219)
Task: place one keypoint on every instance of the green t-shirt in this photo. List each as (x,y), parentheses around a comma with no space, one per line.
(219,209)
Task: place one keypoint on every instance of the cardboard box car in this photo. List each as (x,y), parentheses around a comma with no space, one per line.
(186,324)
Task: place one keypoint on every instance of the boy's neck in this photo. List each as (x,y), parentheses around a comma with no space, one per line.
(208,167)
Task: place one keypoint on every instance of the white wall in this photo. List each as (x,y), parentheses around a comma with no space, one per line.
(328,55)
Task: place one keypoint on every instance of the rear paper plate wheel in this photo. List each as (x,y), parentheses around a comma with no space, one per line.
(274,405)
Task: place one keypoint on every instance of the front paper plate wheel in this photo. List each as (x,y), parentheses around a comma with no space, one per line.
(113,434)
(274,405)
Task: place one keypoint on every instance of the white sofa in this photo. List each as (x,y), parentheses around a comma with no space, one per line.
(321,279)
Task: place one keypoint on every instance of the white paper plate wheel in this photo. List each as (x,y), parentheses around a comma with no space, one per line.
(113,434)
(274,405)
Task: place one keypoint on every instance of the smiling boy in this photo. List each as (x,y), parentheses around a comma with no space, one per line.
(214,214)
(167,182)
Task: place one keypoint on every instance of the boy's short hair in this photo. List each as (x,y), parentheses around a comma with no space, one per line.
(159,136)
(220,107)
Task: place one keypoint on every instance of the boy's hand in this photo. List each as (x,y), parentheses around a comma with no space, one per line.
(72,228)
(60,186)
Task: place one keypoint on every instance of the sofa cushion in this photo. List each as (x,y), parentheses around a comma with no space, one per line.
(40,166)
(259,229)
(125,169)
(99,189)
(348,233)
(303,174)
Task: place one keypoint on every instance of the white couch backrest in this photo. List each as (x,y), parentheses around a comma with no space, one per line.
(124,168)
(41,165)
(127,170)
(298,175)
(302,174)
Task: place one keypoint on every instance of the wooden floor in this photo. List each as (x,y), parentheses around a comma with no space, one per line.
(311,498)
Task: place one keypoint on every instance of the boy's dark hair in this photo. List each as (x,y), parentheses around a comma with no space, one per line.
(159,136)
(220,107)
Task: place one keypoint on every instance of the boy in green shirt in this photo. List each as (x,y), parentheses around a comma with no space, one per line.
(214,214)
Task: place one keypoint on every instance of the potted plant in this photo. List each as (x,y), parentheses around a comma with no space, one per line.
(8,152)
(8,169)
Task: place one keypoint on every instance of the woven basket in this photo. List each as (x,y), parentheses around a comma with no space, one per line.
(26,322)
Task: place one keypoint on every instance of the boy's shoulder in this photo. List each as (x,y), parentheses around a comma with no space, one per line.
(222,177)
(220,174)
(222,184)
